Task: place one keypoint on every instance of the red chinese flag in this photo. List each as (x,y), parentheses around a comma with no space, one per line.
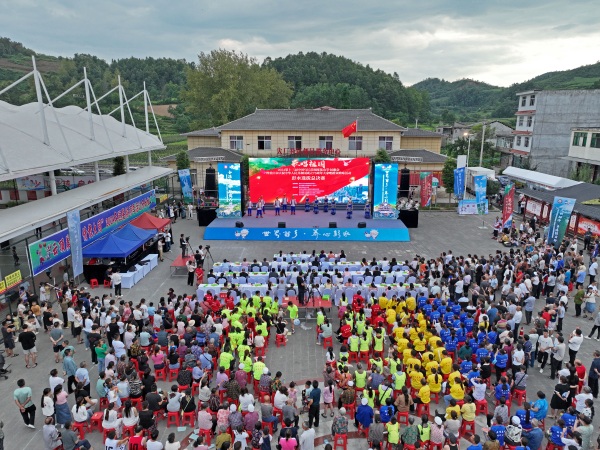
(347,131)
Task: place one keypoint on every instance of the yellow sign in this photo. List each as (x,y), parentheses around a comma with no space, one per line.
(2,287)
(163,198)
(13,279)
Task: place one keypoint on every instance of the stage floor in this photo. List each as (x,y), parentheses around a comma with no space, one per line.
(307,226)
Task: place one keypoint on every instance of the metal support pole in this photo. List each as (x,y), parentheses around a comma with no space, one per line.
(127,163)
(482,144)
(89,106)
(40,100)
(52,183)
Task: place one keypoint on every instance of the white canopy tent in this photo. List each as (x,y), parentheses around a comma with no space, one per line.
(549,182)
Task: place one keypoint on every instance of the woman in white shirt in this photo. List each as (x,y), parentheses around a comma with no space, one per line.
(174,403)
(47,403)
(80,412)
(172,444)
(240,436)
(245,400)
(130,415)
(110,419)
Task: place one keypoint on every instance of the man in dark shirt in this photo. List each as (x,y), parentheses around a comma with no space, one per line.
(301,288)
(27,340)
(594,374)
(288,426)
(314,401)
(155,400)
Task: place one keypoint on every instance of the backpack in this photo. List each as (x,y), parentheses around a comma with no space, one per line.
(256,435)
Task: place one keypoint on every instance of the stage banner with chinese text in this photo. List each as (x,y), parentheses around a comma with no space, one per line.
(425,181)
(338,179)
(74,227)
(385,191)
(230,190)
(186,185)
(559,219)
(459,182)
(480,182)
(508,205)
(52,249)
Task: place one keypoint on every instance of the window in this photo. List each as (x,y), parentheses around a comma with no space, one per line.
(579,139)
(529,121)
(595,140)
(295,142)
(385,142)
(326,142)
(526,142)
(532,100)
(236,142)
(521,118)
(264,142)
(31,195)
(355,143)
(523,100)
(519,140)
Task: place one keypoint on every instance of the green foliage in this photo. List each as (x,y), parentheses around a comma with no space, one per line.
(183,160)
(381,157)
(582,172)
(493,187)
(448,175)
(119,166)
(226,85)
(245,168)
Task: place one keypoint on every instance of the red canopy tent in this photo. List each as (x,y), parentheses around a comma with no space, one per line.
(150,222)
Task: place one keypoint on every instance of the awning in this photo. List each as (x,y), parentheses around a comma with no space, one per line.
(119,244)
(543,179)
(26,218)
(150,222)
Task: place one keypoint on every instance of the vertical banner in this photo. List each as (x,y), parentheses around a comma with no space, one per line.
(230,190)
(425,180)
(559,219)
(385,191)
(508,205)
(74,226)
(186,185)
(480,182)
(459,182)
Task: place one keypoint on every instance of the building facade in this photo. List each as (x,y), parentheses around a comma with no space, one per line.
(585,150)
(313,132)
(544,122)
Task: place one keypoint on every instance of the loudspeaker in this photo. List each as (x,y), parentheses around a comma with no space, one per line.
(404,182)
(239,224)
(362,224)
(280,224)
(332,224)
(210,183)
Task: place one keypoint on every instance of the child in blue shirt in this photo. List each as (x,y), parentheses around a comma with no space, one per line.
(556,432)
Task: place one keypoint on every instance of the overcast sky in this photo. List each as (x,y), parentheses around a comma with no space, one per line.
(499,42)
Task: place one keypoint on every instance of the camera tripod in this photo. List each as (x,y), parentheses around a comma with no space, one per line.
(209,254)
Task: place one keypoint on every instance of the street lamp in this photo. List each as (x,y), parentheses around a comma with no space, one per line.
(468,146)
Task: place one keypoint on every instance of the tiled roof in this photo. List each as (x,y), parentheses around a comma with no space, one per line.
(428,156)
(209,152)
(581,192)
(417,132)
(206,132)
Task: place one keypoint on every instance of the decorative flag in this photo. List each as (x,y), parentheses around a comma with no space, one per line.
(480,182)
(459,182)
(350,129)
(559,219)
(508,205)
(186,185)
(426,179)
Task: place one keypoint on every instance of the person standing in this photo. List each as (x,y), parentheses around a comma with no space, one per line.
(558,356)
(307,438)
(27,339)
(15,256)
(575,341)
(545,346)
(8,335)
(594,373)
(22,396)
(293,208)
(593,270)
(70,369)
(587,239)
(277,205)
(183,246)
(190,209)
(594,328)
(301,288)
(191,268)
(116,281)
(314,402)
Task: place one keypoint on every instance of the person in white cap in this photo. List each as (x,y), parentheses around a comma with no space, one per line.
(347,395)
(437,431)
(513,433)
(250,419)
(364,414)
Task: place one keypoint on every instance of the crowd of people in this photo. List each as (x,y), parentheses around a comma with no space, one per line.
(409,371)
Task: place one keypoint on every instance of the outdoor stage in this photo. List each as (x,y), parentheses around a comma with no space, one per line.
(307,226)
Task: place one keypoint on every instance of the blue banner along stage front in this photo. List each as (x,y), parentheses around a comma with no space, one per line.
(308,227)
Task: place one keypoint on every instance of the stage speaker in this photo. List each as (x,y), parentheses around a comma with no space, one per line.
(280,224)
(362,224)
(332,224)
(210,182)
(404,182)
(239,224)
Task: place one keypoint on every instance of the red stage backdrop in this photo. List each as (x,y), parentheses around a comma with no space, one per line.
(339,178)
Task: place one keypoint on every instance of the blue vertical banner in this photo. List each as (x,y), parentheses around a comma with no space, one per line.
(385,191)
(230,190)
(186,185)
(559,219)
(74,226)
(480,182)
(459,182)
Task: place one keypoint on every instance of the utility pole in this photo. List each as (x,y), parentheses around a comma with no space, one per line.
(482,144)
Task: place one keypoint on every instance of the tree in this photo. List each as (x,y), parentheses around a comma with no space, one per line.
(492,187)
(119,166)
(226,85)
(582,172)
(182,160)
(448,174)
(381,157)
(245,168)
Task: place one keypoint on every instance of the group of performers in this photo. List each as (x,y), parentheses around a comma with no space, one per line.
(282,204)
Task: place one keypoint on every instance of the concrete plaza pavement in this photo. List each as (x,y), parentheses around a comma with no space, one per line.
(301,359)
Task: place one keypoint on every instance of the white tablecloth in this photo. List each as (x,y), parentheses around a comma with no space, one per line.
(127,280)
(152,260)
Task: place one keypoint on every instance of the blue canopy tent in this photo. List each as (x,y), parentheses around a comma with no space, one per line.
(119,244)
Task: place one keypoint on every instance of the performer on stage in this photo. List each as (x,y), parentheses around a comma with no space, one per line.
(277,204)
(326,205)
(284,202)
(367,210)
(307,204)
(249,207)
(333,206)
(259,208)
(316,206)
(349,209)
(292,206)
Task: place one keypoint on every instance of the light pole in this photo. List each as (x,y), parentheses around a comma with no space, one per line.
(482,144)
(468,146)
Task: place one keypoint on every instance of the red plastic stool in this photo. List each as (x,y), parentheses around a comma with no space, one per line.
(328,341)
(129,431)
(259,351)
(435,446)
(81,428)
(422,408)
(467,425)
(189,417)
(172,418)
(351,409)
(96,420)
(552,446)
(105,432)
(93,284)
(103,403)
(173,374)
(353,356)
(403,415)
(207,434)
(340,441)
(136,402)
(106,283)
(268,425)
(160,374)
(520,396)
(436,396)
(280,340)
(183,388)
(481,407)
(278,413)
